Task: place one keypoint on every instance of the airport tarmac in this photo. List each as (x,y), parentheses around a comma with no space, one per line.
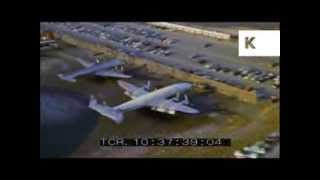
(220,116)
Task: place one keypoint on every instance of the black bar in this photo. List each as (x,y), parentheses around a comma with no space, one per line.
(193,142)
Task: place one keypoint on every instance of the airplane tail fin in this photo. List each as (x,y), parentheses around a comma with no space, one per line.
(67,78)
(147,86)
(105,110)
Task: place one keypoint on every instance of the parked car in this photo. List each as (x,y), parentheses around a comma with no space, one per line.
(208,66)
(226,69)
(202,61)
(167,53)
(244,73)
(207,45)
(257,72)
(273,138)
(271,75)
(254,77)
(260,80)
(195,56)
(255,149)
(236,73)
(242,154)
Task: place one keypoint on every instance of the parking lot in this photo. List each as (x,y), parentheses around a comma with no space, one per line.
(207,57)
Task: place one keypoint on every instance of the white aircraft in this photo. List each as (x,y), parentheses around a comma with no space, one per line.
(106,69)
(159,100)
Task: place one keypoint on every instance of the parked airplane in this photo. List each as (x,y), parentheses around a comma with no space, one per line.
(47,44)
(105,69)
(159,100)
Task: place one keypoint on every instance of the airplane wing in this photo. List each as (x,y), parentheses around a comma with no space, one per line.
(132,90)
(71,76)
(46,42)
(97,69)
(84,63)
(173,106)
(111,73)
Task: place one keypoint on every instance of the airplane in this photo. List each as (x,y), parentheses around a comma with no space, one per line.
(104,69)
(44,44)
(159,100)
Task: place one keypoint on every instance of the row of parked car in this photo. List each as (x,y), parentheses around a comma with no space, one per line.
(146,33)
(207,75)
(117,37)
(259,149)
(154,43)
(244,72)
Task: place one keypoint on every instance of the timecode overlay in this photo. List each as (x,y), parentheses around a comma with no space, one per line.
(200,142)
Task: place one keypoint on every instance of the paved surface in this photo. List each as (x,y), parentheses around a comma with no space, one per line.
(223,53)
(232,27)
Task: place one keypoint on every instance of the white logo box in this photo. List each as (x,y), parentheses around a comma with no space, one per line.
(266,43)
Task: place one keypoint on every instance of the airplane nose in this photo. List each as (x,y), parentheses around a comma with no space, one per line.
(187,85)
(184,86)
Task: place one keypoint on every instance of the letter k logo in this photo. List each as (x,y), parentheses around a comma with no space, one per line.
(248,42)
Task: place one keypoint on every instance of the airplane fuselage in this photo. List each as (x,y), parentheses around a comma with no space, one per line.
(95,68)
(159,94)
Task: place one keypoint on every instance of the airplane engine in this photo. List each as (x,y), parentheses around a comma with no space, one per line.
(127,93)
(172,112)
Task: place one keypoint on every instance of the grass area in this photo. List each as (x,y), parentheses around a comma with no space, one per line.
(240,129)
